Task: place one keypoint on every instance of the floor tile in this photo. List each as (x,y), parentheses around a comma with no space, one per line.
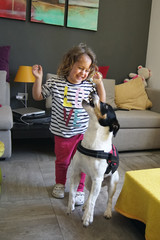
(27,220)
(22,180)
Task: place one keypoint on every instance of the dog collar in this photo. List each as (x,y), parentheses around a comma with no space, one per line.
(111,157)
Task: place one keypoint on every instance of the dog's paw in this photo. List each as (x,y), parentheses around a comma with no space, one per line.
(86,222)
(87,218)
(108,214)
(70,210)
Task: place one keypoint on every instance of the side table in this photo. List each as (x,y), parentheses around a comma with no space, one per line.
(36,127)
(21,130)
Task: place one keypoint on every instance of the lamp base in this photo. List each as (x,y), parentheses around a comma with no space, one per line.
(22,96)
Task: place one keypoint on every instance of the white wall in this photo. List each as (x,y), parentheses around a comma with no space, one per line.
(153,51)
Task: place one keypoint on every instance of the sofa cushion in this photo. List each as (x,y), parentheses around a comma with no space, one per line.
(4,59)
(103,70)
(138,119)
(109,85)
(6,119)
(132,95)
(154,96)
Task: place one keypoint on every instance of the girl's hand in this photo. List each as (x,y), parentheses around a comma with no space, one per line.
(37,71)
(97,78)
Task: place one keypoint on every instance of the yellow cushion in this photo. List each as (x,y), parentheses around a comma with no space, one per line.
(2,149)
(132,95)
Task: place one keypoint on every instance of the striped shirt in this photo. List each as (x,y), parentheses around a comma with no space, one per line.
(68,117)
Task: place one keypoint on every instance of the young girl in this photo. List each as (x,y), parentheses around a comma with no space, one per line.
(69,120)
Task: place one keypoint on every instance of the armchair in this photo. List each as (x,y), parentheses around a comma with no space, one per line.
(6,119)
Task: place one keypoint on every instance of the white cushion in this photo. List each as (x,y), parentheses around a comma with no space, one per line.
(109,85)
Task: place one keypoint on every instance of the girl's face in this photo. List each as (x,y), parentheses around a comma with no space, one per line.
(80,70)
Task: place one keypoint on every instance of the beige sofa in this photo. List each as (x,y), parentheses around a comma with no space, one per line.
(139,129)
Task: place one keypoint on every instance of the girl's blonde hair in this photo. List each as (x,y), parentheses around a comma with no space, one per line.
(72,56)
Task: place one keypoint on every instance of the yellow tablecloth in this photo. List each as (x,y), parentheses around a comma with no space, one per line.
(140,199)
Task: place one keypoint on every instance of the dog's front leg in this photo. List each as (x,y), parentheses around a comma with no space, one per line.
(90,204)
(111,190)
(74,181)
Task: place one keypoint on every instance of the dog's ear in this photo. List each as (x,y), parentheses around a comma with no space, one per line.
(111,120)
(114,127)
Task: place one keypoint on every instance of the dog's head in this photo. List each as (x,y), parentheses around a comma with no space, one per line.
(104,112)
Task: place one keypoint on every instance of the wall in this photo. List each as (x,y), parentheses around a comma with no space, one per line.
(120,42)
(153,52)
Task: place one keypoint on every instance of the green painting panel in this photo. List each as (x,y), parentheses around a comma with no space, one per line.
(82,17)
(47,13)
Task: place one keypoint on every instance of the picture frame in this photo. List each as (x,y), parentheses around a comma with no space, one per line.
(48,11)
(83,14)
(14,9)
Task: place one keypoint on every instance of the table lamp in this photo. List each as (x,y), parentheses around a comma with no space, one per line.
(24,75)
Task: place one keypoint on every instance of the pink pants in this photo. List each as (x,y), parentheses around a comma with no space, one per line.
(65,149)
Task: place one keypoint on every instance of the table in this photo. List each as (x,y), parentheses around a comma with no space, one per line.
(21,130)
(36,128)
(140,199)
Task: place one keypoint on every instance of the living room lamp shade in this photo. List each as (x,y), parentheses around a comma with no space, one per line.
(25,75)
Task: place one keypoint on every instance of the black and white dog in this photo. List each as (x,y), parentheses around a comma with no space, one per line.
(94,157)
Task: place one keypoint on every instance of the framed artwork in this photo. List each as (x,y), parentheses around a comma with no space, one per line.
(15,9)
(48,11)
(83,14)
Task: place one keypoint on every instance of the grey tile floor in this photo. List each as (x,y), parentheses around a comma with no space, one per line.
(28,211)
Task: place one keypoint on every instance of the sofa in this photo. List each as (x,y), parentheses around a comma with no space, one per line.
(139,129)
(6,119)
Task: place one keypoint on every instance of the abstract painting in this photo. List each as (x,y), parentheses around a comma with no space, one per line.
(48,11)
(83,14)
(15,9)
